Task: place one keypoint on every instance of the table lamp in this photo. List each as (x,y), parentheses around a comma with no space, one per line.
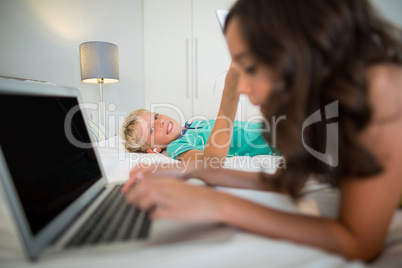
(99,64)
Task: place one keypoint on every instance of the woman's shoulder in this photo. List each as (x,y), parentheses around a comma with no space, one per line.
(384,76)
(381,136)
(385,91)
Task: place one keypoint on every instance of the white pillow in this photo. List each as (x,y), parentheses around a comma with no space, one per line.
(98,132)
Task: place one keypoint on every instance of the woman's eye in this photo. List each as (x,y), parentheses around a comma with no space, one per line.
(151,130)
(156,116)
(251,69)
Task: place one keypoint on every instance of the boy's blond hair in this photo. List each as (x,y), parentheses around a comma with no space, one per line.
(128,132)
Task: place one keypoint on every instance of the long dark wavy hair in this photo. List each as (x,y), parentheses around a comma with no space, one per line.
(321,50)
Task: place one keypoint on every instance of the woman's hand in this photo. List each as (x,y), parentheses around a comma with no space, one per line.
(169,198)
(177,170)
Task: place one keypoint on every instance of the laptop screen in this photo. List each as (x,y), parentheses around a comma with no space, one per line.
(48,171)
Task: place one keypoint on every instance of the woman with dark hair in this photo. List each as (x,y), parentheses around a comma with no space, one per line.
(308,61)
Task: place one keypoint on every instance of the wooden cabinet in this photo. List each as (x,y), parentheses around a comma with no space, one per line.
(186,58)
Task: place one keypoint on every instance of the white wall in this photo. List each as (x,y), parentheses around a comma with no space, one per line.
(391,9)
(39,39)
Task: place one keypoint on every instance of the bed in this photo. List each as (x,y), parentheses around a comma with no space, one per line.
(242,250)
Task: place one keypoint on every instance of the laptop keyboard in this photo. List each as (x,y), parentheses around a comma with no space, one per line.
(113,220)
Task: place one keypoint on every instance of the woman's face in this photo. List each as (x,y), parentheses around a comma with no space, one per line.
(255,79)
(157,130)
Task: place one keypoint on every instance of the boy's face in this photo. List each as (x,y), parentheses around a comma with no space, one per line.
(157,130)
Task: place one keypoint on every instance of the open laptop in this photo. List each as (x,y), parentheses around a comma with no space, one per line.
(55,186)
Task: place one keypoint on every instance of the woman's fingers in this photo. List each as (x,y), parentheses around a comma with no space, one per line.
(138,173)
(142,195)
(159,212)
(173,199)
(148,194)
(135,174)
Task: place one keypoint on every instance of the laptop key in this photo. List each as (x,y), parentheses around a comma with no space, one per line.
(124,228)
(116,223)
(130,227)
(145,227)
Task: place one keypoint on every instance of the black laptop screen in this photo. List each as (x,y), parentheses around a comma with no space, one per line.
(48,171)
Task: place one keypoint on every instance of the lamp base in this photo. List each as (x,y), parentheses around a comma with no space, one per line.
(101,103)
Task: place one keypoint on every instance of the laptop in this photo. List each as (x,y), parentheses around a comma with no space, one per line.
(55,186)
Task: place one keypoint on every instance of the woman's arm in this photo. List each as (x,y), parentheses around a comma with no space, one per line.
(233,178)
(212,176)
(358,233)
(365,212)
(217,146)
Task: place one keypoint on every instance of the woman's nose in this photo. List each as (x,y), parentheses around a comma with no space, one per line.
(243,85)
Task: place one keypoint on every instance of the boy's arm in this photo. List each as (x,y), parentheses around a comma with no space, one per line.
(218,143)
(191,156)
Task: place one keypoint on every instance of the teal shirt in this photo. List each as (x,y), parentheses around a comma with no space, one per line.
(247,139)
